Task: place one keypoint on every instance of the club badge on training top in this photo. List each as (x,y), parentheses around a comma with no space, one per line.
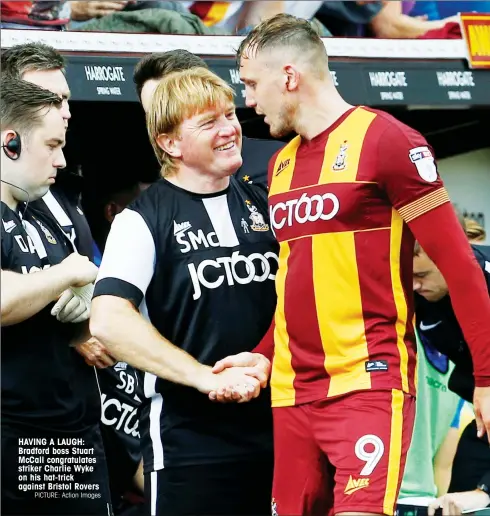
(422,158)
(49,237)
(258,223)
(340,162)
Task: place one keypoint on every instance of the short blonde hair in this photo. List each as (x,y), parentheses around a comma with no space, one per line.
(179,96)
(474,231)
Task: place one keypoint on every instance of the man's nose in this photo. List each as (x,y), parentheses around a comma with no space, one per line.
(227,129)
(250,100)
(60,161)
(65,110)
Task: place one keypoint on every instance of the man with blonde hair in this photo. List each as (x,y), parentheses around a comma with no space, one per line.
(347,196)
(196,255)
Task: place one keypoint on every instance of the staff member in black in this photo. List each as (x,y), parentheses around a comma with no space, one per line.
(438,324)
(187,277)
(48,392)
(44,66)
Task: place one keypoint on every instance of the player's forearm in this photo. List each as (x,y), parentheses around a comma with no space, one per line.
(24,295)
(132,339)
(442,238)
(391,23)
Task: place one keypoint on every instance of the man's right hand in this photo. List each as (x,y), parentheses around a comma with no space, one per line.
(80,269)
(238,383)
(253,364)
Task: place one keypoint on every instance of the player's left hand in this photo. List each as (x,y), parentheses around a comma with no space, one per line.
(481,404)
(453,504)
(95,354)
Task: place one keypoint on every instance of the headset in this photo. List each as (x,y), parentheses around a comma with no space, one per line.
(13,148)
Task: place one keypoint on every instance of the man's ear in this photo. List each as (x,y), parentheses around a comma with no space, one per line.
(169,144)
(291,77)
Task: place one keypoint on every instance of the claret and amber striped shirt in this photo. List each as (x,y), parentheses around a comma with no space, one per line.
(339,206)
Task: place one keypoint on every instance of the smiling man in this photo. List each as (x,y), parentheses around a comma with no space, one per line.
(196,254)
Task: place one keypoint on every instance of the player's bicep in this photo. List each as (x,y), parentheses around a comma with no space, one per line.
(407,173)
(128,261)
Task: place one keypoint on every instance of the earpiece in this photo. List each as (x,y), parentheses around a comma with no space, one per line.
(13,148)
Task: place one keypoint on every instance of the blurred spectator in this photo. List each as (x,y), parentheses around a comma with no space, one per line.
(437,10)
(348,19)
(475,233)
(241,17)
(45,15)
(137,17)
(81,12)
(393,22)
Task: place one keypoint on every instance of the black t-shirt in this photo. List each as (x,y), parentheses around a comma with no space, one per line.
(202,269)
(256,155)
(45,383)
(122,393)
(437,323)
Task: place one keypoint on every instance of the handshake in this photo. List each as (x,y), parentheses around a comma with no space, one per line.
(237,378)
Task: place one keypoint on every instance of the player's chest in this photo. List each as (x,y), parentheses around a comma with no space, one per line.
(329,207)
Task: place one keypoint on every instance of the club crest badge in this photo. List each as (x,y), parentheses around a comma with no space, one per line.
(340,162)
(258,222)
(49,237)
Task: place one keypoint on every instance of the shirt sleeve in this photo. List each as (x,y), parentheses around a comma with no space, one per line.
(407,172)
(128,261)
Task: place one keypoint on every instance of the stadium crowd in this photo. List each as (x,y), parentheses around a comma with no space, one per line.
(158,323)
(372,18)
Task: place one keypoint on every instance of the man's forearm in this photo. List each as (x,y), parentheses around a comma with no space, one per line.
(442,238)
(24,295)
(132,339)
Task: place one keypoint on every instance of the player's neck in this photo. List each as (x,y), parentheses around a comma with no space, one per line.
(197,182)
(322,108)
(7,197)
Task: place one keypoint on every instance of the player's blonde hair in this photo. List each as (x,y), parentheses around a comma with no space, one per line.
(178,96)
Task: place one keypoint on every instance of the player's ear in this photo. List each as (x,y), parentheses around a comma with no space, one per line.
(291,77)
(169,144)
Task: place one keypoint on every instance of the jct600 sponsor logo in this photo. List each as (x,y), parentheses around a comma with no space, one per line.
(307,208)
